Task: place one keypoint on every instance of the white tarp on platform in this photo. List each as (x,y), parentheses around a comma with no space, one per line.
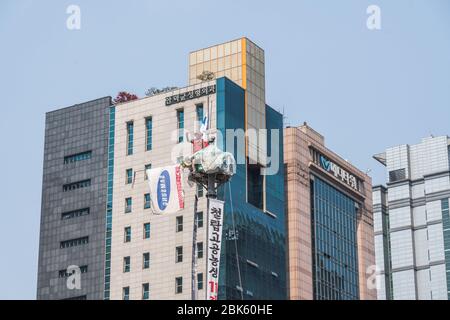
(212,160)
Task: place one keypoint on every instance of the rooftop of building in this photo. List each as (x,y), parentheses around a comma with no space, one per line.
(219,44)
(94,101)
(319,139)
(381,157)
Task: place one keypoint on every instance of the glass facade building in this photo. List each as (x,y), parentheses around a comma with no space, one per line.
(259,238)
(335,255)
(329,221)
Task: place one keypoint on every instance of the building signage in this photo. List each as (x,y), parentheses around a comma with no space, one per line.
(194,94)
(338,172)
(215,224)
(166,189)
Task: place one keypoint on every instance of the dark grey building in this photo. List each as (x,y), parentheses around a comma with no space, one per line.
(72,230)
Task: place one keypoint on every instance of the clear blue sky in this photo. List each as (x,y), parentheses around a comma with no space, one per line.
(364,90)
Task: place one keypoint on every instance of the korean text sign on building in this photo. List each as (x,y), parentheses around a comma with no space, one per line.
(215,224)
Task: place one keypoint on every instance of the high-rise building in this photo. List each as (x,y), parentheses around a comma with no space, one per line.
(329,221)
(148,256)
(243,62)
(74,200)
(412,222)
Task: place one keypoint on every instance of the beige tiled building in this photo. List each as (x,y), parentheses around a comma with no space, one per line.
(329,221)
(164,237)
(145,261)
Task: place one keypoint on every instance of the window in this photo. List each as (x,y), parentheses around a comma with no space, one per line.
(126,264)
(127,234)
(128,205)
(397,175)
(146,260)
(147,167)
(126,293)
(146,230)
(147,203)
(199,281)
(148,133)
(200,113)
(65,274)
(129,176)
(200,250)
(73,242)
(255,182)
(76,185)
(130,129)
(180,121)
(199,191)
(145,291)
(179,224)
(199,219)
(83,297)
(179,254)
(75,213)
(445,204)
(78,157)
(179,285)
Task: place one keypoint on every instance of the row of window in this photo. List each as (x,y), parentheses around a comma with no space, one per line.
(145,262)
(148,135)
(75,213)
(149,129)
(146,232)
(129,203)
(179,252)
(65,274)
(76,185)
(74,242)
(178,288)
(129,176)
(198,220)
(179,225)
(146,257)
(78,157)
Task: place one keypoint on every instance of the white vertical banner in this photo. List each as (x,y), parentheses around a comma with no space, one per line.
(166,189)
(215,225)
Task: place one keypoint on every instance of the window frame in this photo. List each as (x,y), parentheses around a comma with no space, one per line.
(178,286)
(129,176)
(127,266)
(127,296)
(144,260)
(179,254)
(127,234)
(130,137)
(148,134)
(147,202)
(145,231)
(128,207)
(179,226)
